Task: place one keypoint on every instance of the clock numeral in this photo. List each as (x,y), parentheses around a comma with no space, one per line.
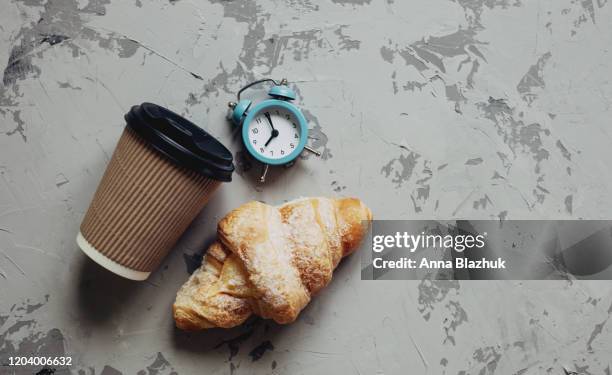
(294,125)
(295,136)
(271,152)
(287,117)
(255,130)
(282,152)
(277,112)
(261,149)
(258,120)
(291,145)
(254,141)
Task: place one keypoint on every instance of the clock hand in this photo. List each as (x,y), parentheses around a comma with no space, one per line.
(272,136)
(274,131)
(267,114)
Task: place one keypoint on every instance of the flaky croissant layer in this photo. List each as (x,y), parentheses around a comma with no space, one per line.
(269,261)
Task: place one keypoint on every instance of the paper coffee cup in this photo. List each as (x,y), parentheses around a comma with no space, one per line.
(162,173)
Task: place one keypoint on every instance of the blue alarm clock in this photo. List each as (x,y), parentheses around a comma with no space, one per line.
(274,131)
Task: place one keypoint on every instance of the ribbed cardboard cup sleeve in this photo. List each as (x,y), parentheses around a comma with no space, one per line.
(142,206)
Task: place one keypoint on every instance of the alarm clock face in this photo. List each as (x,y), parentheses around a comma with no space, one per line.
(275,134)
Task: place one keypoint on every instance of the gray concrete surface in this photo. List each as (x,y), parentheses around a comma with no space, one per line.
(431,109)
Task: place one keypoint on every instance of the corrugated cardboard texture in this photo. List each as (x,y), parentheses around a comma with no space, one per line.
(143,204)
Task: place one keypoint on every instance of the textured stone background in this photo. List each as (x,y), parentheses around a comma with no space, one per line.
(433,109)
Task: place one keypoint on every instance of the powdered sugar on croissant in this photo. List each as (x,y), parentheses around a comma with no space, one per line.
(270,261)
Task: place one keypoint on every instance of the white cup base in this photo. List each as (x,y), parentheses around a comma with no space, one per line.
(107,263)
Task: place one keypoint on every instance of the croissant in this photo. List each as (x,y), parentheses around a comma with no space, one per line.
(270,261)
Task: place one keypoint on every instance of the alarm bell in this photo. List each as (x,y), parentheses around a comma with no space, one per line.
(239,110)
(281,92)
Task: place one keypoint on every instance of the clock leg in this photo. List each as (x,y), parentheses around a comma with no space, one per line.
(312,150)
(264,173)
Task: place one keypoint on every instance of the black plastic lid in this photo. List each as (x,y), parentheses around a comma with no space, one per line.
(181,140)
